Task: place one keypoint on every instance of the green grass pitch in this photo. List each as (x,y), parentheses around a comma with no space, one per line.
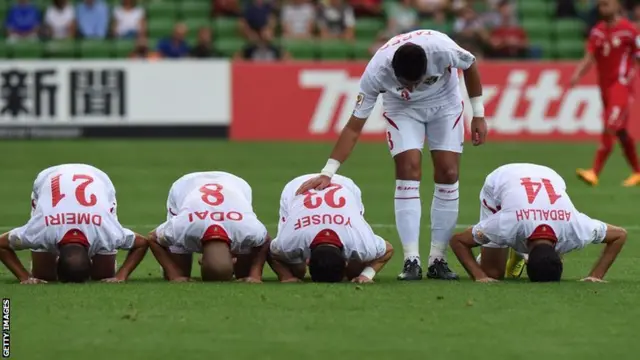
(150,319)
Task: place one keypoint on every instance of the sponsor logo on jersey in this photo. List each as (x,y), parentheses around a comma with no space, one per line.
(431,80)
(359,100)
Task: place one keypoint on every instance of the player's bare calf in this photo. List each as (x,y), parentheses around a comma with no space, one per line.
(526,207)
(73,231)
(326,230)
(211,213)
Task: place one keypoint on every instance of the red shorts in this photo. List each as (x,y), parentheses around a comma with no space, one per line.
(616,101)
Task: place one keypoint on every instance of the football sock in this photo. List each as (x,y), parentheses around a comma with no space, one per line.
(408,209)
(444,215)
(603,152)
(629,151)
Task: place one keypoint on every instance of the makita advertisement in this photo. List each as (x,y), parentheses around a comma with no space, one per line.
(311,101)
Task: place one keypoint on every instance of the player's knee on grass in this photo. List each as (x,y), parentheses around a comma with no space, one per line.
(494,261)
(184,262)
(43,266)
(409,165)
(242,266)
(74,264)
(544,264)
(217,261)
(327,264)
(354,269)
(103,266)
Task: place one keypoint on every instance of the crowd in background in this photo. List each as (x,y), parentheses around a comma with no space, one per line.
(493,32)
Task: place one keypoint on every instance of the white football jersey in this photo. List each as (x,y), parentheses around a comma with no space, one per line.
(525,196)
(200,200)
(338,207)
(73,197)
(440,87)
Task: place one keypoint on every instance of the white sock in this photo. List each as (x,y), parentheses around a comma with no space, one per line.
(408,210)
(444,216)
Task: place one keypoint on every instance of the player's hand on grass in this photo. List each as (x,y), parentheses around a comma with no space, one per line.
(31,281)
(113,280)
(362,280)
(180,279)
(250,280)
(487,280)
(478,130)
(319,182)
(593,280)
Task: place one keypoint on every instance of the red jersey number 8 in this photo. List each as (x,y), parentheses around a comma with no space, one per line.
(211,194)
(313,201)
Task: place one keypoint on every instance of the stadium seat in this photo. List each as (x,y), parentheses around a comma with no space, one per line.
(301,49)
(95,49)
(61,49)
(569,48)
(361,49)
(228,46)
(162,10)
(25,50)
(160,27)
(122,48)
(537,29)
(368,28)
(226,27)
(190,9)
(546,46)
(334,49)
(534,9)
(195,24)
(445,27)
(569,28)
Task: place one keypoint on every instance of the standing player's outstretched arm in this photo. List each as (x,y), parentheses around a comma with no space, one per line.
(11,261)
(461,244)
(614,240)
(259,255)
(134,257)
(161,254)
(583,67)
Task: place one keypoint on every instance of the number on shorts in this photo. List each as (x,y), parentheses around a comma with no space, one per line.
(389,140)
(81,191)
(211,194)
(532,189)
(313,201)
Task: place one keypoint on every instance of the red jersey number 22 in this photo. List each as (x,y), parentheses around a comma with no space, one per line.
(532,188)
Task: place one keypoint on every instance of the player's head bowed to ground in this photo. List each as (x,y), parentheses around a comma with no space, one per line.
(525,207)
(326,231)
(211,213)
(73,232)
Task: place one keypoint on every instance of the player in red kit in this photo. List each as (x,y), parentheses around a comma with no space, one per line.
(614,46)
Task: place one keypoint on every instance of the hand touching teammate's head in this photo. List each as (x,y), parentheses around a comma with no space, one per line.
(409,64)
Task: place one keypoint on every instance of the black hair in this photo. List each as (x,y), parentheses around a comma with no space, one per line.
(326,264)
(409,62)
(74,264)
(544,264)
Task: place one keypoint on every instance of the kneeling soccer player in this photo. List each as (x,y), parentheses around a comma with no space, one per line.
(325,229)
(211,213)
(526,207)
(74,231)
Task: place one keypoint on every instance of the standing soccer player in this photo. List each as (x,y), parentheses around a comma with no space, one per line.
(416,73)
(614,46)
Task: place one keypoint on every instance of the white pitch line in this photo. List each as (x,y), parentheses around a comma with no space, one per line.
(375,226)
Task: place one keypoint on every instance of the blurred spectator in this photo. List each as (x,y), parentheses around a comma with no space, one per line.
(366,7)
(142,51)
(204,48)
(635,15)
(432,8)
(128,20)
(469,31)
(504,11)
(508,40)
(261,50)
(175,46)
(566,9)
(59,20)
(258,20)
(297,19)
(225,7)
(23,20)
(402,17)
(93,19)
(336,20)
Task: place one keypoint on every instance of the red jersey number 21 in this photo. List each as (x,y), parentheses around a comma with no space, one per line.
(532,188)
(81,190)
